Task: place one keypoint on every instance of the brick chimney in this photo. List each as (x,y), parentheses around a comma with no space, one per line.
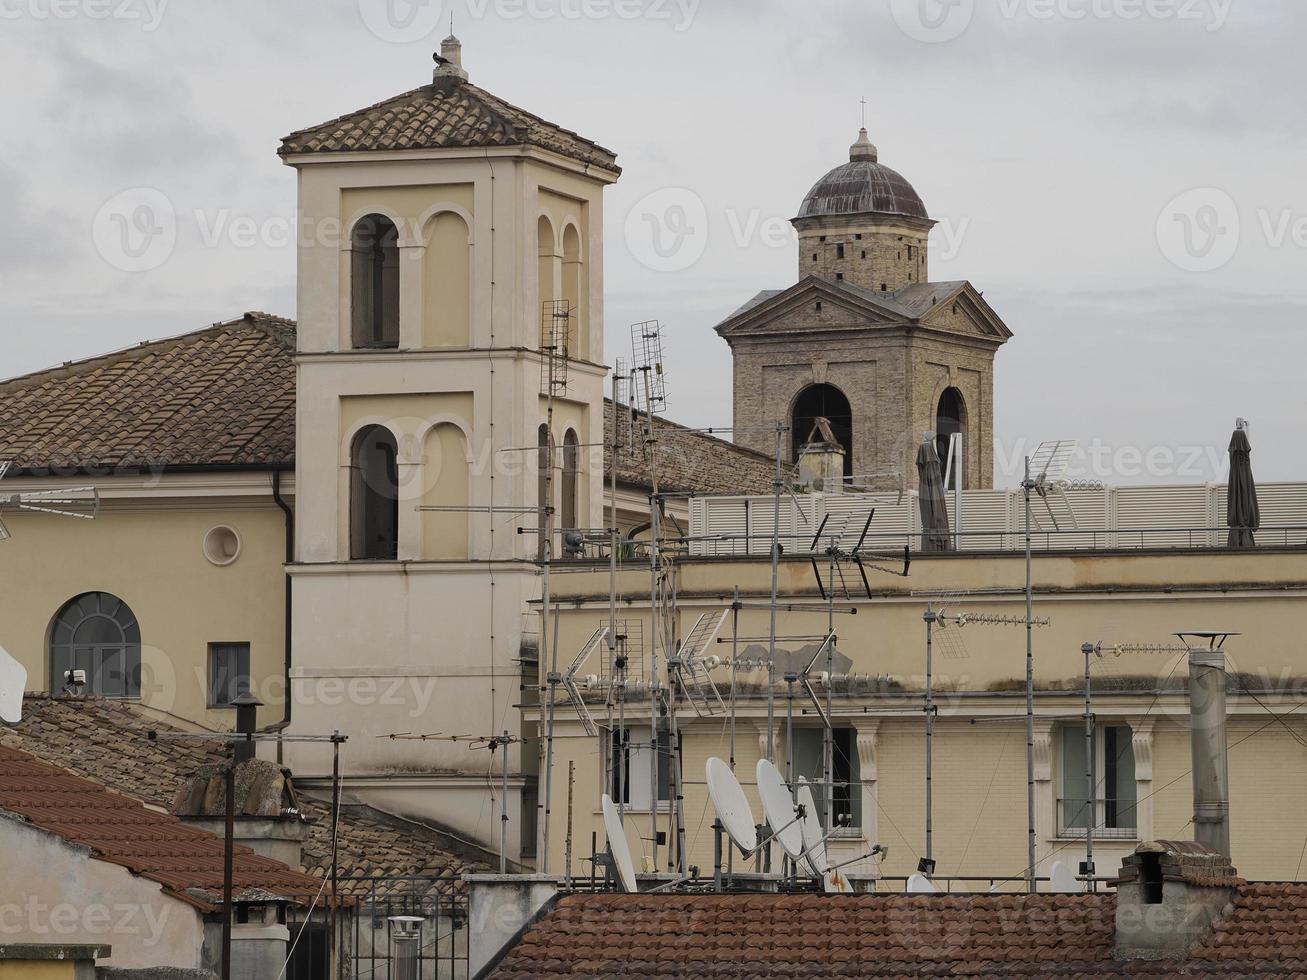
(1168,897)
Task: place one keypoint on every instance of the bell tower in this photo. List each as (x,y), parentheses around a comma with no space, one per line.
(865,341)
(439,225)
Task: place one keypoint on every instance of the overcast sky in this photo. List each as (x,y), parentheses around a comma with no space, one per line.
(1126,180)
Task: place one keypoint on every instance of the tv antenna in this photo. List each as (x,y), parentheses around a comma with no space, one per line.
(1097,652)
(692,668)
(557,320)
(839,558)
(1044,476)
(79,502)
(938,618)
(492,742)
(648,398)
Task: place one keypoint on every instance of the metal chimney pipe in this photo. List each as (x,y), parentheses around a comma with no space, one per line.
(246,705)
(407,935)
(1207,735)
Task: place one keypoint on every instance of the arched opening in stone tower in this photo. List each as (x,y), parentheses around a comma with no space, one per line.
(374,495)
(951,419)
(374,282)
(828,402)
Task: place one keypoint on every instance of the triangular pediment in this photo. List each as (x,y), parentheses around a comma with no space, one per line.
(964,310)
(795,309)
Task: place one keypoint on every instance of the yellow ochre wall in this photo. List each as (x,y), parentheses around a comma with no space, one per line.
(37,970)
(980,775)
(153,560)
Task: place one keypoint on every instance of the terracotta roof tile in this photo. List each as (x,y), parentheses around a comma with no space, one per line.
(224,395)
(448,113)
(187,861)
(105,741)
(893,935)
(692,462)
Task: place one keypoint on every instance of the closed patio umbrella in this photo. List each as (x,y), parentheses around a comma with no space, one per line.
(1242,514)
(934,513)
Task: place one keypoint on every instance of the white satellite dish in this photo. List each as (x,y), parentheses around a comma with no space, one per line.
(921,885)
(618,846)
(13,682)
(778,808)
(732,805)
(814,838)
(1062,880)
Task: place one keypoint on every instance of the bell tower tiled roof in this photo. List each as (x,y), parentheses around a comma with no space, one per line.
(450,112)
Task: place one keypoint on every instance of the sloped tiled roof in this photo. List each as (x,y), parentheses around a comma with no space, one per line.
(692,462)
(224,395)
(105,741)
(450,112)
(769,937)
(774,936)
(186,861)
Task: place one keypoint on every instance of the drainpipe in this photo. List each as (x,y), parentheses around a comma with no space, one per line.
(282,725)
(1211,776)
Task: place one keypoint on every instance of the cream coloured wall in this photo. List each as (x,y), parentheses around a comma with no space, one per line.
(431,618)
(55,892)
(146,547)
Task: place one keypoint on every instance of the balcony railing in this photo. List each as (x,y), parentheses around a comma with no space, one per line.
(1113,819)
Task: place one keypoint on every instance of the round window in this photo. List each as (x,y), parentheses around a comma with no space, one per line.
(222,545)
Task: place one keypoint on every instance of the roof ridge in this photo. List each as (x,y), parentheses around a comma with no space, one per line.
(140,349)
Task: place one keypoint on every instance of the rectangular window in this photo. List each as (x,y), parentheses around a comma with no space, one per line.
(839,251)
(628,765)
(229,672)
(1115,797)
(808,750)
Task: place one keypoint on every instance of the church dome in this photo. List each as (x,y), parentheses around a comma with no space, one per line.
(863,186)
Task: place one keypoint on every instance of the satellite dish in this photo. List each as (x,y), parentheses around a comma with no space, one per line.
(778,808)
(1061,880)
(921,885)
(732,805)
(618,846)
(13,682)
(814,838)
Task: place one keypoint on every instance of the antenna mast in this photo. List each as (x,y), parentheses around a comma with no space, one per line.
(555,332)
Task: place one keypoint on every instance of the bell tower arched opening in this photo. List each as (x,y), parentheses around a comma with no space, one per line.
(828,402)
